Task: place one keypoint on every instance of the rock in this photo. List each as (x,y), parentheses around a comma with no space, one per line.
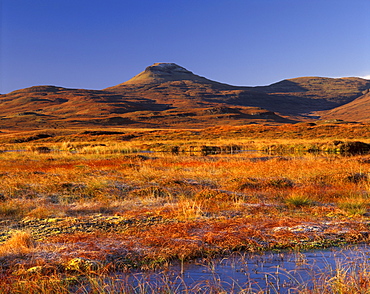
(35,270)
(305,228)
(80,264)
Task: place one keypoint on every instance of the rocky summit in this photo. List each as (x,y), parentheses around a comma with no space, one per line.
(164,72)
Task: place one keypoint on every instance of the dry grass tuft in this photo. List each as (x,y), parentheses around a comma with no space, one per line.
(44,211)
(20,243)
(150,192)
(354,205)
(298,200)
(214,195)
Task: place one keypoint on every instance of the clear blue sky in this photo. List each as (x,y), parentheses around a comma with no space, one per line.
(95,44)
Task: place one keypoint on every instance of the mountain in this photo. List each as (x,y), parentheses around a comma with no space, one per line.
(159,73)
(172,85)
(168,95)
(357,110)
(307,95)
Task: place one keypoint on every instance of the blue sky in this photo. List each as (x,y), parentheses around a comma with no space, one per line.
(95,44)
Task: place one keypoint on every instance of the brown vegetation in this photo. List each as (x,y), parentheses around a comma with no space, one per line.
(89,198)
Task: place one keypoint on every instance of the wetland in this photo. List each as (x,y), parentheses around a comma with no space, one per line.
(87,214)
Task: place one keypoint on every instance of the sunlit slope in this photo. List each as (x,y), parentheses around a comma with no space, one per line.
(357,110)
(170,96)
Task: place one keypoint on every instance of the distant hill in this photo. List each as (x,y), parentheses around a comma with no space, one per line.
(168,95)
(170,84)
(357,110)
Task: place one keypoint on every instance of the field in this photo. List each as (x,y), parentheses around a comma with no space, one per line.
(76,202)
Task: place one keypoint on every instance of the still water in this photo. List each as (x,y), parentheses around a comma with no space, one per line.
(283,272)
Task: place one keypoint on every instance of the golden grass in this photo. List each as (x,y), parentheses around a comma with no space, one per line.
(180,206)
(19,243)
(298,200)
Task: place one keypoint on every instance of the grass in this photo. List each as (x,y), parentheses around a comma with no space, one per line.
(298,200)
(148,210)
(19,243)
(355,204)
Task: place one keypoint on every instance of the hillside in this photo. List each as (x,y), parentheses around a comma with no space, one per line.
(56,107)
(166,95)
(311,94)
(357,110)
(177,87)
(49,106)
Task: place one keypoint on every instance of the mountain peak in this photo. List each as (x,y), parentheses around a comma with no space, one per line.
(167,68)
(164,72)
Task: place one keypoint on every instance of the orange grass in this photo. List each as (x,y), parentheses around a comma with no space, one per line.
(19,243)
(201,205)
(179,207)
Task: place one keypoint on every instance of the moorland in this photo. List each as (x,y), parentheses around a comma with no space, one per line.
(81,201)
(172,167)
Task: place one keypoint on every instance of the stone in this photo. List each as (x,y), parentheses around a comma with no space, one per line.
(80,264)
